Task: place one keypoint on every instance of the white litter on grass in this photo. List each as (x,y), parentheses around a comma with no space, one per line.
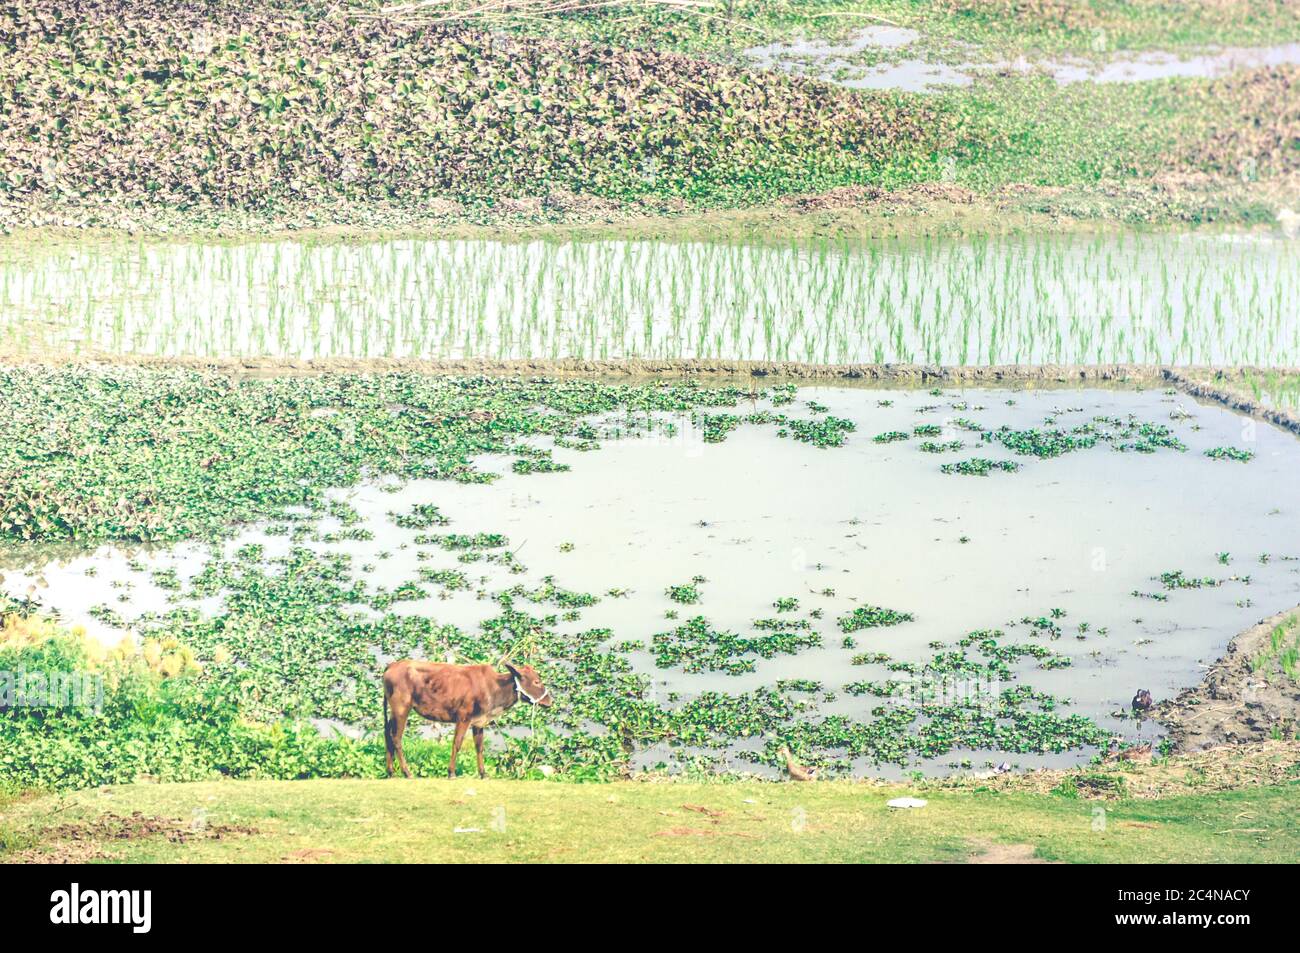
(906,802)
(468,830)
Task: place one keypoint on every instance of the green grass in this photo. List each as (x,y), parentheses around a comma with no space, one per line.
(988,27)
(415,821)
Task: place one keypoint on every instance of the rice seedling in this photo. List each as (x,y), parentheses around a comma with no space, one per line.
(1020,300)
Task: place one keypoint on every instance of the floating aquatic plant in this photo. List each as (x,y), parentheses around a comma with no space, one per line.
(980,466)
(868,617)
(1230,453)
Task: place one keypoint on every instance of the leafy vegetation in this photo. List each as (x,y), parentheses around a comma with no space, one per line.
(869,617)
(252,114)
(286,107)
(1230,453)
(688,593)
(150,712)
(980,466)
(697,647)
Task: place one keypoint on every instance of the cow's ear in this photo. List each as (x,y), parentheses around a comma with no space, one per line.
(510,668)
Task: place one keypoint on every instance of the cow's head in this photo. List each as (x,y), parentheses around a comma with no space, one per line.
(529,686)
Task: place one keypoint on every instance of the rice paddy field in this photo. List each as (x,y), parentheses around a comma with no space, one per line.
(1140,298)
(463,357)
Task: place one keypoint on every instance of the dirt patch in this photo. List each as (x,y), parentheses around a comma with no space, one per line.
(846,196)
(686,832)
(566,202)
(701,809)
(913,197)
(987,852)
(307,855)
(90,839)
(1246,696)
(699,832)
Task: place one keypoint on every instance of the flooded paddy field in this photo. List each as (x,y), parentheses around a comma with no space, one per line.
(1168,299)
(886,580)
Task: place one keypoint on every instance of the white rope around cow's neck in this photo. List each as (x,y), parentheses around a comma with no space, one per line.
(531,700)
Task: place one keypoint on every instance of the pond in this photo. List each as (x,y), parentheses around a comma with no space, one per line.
(1200,298)
(1126,558)
(852,62)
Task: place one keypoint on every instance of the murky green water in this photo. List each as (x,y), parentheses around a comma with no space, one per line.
(1170,299)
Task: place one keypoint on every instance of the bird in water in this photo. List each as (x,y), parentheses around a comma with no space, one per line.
(796,770)
(1288,222)
(1142,701)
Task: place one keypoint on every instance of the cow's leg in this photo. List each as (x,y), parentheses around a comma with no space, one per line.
(388,734)
(455,746)
(396,727)
(478,746)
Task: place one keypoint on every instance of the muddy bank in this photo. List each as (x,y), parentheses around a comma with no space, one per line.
(690,367)
(1222,768)
(1245,697)
(638,367)
(1197,386)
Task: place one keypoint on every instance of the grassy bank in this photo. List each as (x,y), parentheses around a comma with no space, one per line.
(505,821)
(189,116)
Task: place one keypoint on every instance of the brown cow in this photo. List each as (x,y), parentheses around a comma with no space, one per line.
(463,695)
